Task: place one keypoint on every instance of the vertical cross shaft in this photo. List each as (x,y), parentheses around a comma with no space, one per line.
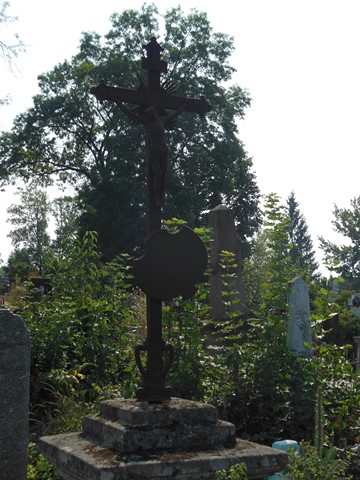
(155,100)
(155,372)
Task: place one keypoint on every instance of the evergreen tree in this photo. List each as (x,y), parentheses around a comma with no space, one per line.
(269,269)
(283,250)
(301,248)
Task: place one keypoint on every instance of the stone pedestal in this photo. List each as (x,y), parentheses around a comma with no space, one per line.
(179,439)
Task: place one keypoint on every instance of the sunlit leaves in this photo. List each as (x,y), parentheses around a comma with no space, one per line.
(344,258)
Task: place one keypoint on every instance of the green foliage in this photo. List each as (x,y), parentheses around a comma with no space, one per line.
(345,259)
(183,322)
(310,465)
(349,327)
(67,133)
(283,251)
(70,407)
(4,280)
(340,391)
(9,48)
(235,472)
(19,267)
(30,221)
(301,251)
(65,214)
(261,388)
(82,332)
(270,268)
(39,468)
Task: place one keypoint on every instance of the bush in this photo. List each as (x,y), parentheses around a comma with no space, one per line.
(83,332)
(235,472)
(310,465)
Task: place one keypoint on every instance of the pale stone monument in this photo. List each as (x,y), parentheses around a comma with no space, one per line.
(354,304)
(299,336)
(221,221)
(14,396)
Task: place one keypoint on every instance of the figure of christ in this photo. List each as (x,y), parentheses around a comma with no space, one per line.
(155,126)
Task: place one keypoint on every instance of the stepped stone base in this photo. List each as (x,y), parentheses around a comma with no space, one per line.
(178,439)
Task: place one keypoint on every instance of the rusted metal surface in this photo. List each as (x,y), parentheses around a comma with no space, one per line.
(171,264)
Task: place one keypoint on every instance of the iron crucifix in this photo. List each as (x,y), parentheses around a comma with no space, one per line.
(153,100)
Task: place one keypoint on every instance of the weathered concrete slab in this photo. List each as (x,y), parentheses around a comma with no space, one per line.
(77,458)
(177,410)
(139,438)
(131,425)
(179,439)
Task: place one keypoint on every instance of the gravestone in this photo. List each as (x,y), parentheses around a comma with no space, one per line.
(222,223)
(14,396)
(354,304)
(299,336)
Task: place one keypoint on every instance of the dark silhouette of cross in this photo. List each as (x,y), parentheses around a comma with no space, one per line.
(153,100)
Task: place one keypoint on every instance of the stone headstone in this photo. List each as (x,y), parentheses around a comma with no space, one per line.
(14,396)
(299,336)
(221,221)
(354,304)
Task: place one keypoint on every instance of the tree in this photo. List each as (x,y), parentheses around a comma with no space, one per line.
(30,221)
(283,250)
(4,280)
(19,266)
(65,214)
(301,251)
(66,133)
(269,269)
(345,258)
(8,48)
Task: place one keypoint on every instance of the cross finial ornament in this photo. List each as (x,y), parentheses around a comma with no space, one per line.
(165,270)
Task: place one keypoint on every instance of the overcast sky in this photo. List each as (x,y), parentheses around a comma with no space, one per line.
(299,59)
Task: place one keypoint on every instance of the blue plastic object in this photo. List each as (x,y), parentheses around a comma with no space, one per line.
(284,445)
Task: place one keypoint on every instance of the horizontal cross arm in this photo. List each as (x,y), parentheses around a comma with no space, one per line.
(115,94)
(155,99)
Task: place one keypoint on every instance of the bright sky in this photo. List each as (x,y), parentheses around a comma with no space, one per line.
(299,59)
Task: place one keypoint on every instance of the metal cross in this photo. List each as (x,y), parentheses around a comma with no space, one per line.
(153,99)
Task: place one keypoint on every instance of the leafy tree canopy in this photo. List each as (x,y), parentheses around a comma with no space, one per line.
(30,221)
(68,134)
(9,48)
(345,258)
(283,250)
